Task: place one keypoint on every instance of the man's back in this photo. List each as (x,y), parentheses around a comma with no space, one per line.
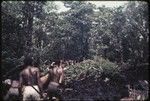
(56,74)
(29,80)
(30,76)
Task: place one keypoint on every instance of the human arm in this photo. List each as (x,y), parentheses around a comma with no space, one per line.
(39,81)
(61,72)
(20,84)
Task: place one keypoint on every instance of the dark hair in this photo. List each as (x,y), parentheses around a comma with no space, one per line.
(50,67)
(28,61)
(36,62)
(57,62)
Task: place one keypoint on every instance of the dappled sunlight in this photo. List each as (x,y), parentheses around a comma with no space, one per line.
(81,50)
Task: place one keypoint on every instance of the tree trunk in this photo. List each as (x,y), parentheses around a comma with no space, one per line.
(28,20)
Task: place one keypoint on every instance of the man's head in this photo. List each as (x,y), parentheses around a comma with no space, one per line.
(28,61)
(53,64)
(36,62)
(63,64)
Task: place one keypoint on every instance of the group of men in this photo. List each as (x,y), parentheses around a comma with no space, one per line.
(31,86)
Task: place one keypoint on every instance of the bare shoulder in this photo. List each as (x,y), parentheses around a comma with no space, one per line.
(36,69)
(60,70)
(50,71)
(22,72)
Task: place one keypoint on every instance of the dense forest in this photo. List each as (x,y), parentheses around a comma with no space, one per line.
(103,43)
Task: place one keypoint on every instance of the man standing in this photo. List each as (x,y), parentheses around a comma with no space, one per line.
(56,79)
(30,85)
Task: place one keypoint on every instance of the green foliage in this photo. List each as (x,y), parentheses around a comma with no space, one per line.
(84,31)
(95,67)
(98,38)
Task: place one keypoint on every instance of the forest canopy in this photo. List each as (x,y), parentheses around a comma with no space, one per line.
(104,47)
(118,34)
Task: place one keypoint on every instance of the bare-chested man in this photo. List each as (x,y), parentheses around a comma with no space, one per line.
(30,81)
(56,79)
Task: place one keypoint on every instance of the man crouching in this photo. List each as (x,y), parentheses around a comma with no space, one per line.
(30,86)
